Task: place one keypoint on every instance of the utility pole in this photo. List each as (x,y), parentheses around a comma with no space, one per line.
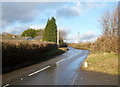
(58,35)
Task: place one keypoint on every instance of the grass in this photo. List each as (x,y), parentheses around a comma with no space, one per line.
(102,62)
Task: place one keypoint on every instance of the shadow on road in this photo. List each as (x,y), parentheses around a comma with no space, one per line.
(95,78)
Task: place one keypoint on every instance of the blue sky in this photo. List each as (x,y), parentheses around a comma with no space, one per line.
(72,17)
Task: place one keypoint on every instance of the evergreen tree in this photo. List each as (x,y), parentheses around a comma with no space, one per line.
(50,33)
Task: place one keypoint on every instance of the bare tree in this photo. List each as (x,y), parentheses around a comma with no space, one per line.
(109,23)
(109,39)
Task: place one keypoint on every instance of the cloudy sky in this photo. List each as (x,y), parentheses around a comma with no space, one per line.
(79,19)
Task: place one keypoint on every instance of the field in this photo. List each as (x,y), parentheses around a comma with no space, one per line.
(21,53)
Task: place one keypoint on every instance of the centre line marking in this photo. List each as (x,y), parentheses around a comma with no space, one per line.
(6,85)
(60,61)
(71,56)
(39,71)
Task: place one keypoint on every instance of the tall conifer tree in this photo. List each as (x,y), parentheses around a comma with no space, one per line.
(50,33)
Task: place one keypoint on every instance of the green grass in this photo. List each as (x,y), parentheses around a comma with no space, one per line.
(102,62)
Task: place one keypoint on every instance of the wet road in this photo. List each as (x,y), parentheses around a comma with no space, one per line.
(62,70)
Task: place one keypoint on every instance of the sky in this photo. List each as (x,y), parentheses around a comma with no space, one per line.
(78,19)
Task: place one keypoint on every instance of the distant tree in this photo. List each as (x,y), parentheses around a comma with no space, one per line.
(30,32)
(50,33)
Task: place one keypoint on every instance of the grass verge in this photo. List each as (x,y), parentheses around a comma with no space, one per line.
(102,62)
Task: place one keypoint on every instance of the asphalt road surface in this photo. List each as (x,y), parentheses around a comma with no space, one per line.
(61,70)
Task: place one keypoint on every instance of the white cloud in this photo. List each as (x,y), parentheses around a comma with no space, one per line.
(92,5)
(26,12)
(69,11)
(88,36)
(77,8)
(23,12)
(37,27)
(16,29)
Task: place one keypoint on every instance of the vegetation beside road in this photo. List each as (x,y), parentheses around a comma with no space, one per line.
(99,60)
(104,51)
(21,53)
(102,62)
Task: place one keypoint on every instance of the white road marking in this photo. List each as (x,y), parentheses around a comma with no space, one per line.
(21,78)
(74,78)
(64,59)
(38,71)
(60,61)
(6,85)
(71,56)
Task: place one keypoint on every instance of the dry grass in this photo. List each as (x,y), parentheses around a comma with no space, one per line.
(102,62)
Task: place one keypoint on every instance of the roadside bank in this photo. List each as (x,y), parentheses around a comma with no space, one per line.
(102,62)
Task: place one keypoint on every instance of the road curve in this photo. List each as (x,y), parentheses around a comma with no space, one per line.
(61,70)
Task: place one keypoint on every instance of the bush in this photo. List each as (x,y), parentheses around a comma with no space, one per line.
(106,44)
